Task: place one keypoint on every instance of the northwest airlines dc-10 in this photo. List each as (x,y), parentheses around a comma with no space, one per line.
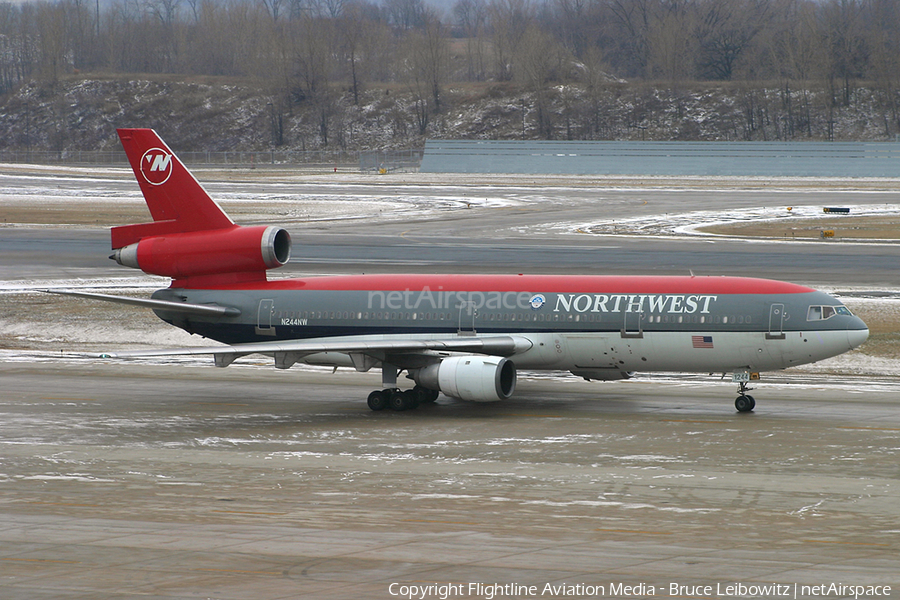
(463,335)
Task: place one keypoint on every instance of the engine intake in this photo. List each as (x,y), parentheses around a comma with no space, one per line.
(234,250)
(473,378)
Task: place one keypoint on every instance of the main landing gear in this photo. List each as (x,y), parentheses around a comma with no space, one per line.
(745,402)
(397,399)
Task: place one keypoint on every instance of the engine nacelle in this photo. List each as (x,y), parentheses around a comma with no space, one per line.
(198,253)
(473,378)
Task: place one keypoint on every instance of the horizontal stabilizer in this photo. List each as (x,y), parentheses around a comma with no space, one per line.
(210,310)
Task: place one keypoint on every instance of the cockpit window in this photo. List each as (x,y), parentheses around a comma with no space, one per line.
(821,313)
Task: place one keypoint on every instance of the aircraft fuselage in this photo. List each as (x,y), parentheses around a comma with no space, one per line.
(608,324)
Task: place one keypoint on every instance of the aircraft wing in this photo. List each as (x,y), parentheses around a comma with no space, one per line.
(291,350)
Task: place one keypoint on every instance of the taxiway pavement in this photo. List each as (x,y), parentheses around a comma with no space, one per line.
(126,480)
(179,481)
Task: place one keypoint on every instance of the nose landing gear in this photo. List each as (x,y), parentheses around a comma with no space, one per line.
(744,402)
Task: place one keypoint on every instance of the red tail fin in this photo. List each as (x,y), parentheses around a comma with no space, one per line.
(177,202)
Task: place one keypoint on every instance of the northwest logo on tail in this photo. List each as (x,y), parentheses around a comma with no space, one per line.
(156,166)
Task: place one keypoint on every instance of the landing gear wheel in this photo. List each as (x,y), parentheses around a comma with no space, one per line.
(400,400)
(744,403)
(425,395)
(377,400)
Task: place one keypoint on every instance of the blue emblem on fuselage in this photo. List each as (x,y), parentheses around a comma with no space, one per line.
(537,301)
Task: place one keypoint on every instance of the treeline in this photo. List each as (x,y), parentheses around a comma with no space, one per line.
(312,51)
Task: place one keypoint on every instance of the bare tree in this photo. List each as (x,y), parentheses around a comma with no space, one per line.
(573,29)
(794,58)
(275,8)
(882,18)
(53,41)
(630,37)
(425,66)
(406,14)
(845,44)
(509,20)
(595,79)
(537,65)
(363,45)
(471,17)
(671,50)
(725,30)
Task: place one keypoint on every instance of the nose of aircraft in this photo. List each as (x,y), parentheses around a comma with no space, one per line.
(856,335)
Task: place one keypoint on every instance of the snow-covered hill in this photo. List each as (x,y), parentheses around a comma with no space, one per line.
(81,113)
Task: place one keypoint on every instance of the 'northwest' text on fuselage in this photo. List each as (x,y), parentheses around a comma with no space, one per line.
(580,303)
(635,303)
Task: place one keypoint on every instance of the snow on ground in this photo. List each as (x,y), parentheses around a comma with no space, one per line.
(690,223)
(281,200)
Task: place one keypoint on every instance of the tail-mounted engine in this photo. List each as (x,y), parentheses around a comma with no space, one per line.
(473,378)
(201,253)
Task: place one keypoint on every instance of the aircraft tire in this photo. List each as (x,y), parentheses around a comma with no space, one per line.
(401,400)
(377,400)
(425,395)
(744,403)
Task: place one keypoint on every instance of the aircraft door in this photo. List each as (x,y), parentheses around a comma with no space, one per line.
(633,327)
(264,318)
(467,315)
(776,322)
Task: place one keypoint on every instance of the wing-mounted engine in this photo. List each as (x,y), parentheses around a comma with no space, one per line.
(201,253)
(473,378)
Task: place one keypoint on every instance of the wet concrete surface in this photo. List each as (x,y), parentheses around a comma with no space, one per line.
(121,480)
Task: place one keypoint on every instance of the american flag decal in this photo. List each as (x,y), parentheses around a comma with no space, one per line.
(702,341)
